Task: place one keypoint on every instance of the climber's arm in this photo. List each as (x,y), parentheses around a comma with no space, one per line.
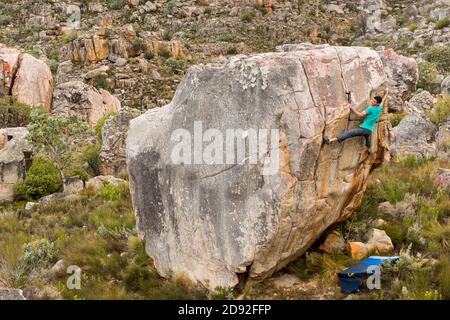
(386,92)
(358,113)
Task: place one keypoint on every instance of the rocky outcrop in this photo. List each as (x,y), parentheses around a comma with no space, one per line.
(421,103)
(114,134)
(15,153)
(84,101)
(25,77)
(414,135)
(218,217)
(402,74)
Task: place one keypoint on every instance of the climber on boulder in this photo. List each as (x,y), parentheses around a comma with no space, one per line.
(371,115)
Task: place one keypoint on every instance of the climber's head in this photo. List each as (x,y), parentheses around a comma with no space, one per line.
(376,100)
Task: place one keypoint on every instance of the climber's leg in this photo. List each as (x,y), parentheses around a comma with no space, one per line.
(357,132)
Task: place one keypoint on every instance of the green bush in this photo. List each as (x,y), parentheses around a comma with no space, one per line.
(175,65)
(110,192)
(38,252)
(248,16)
(441,24)
(428,77)
(14,113)
(117,4)
(90,155)
(440,57)
(392,191)
(441,110)
(43,178)
(5,20)
(396,118)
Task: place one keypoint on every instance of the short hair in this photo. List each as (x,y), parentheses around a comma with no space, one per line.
(378,99)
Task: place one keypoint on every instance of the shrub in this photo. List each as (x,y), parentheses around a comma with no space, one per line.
(14,113)
(116,4)
(428,77)
(248,16)
(110,192)
(139,46)
(90,155)
(396,118)
(392,191)
(43,178)
(5,20)
(175,65)
(101,81)
(38,252)
(441,110)
(441,24)
(440,57)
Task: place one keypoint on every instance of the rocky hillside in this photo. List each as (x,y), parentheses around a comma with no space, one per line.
(73,75)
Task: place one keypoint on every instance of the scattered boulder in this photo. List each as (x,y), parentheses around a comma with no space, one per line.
(414,135)
(98,181)
(114,133)
(380,241)
(27,78)
(76,98)
(73,185)
(443,178)
(445,86)
(334,242)
(358,250)
(11,294)
(245,219)
(402,73)
(420,103)
(15,156)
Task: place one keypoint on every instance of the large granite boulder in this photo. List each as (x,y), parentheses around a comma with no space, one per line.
(25,77)
(415,135)
(15,153)
(75,98)
(219,218)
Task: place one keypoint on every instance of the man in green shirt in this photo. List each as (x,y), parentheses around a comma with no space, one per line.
(371,115)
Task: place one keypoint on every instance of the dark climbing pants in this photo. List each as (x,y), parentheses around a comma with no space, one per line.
(358,132)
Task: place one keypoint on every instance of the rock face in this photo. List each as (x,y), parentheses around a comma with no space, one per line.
(114,133)
(27,78)
(15,151)
(414,135)
(420,103)
(402,74)
(250,215)
(84,101)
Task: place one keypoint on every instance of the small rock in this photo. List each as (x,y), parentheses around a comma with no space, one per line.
(58,267)
(445,86)
(386,208)
(96,72)
(380,240)
(120,62)
(155,75)
(285,281)
(30,205)
(358,250)
(334,242)
(335,8)
(11,294)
